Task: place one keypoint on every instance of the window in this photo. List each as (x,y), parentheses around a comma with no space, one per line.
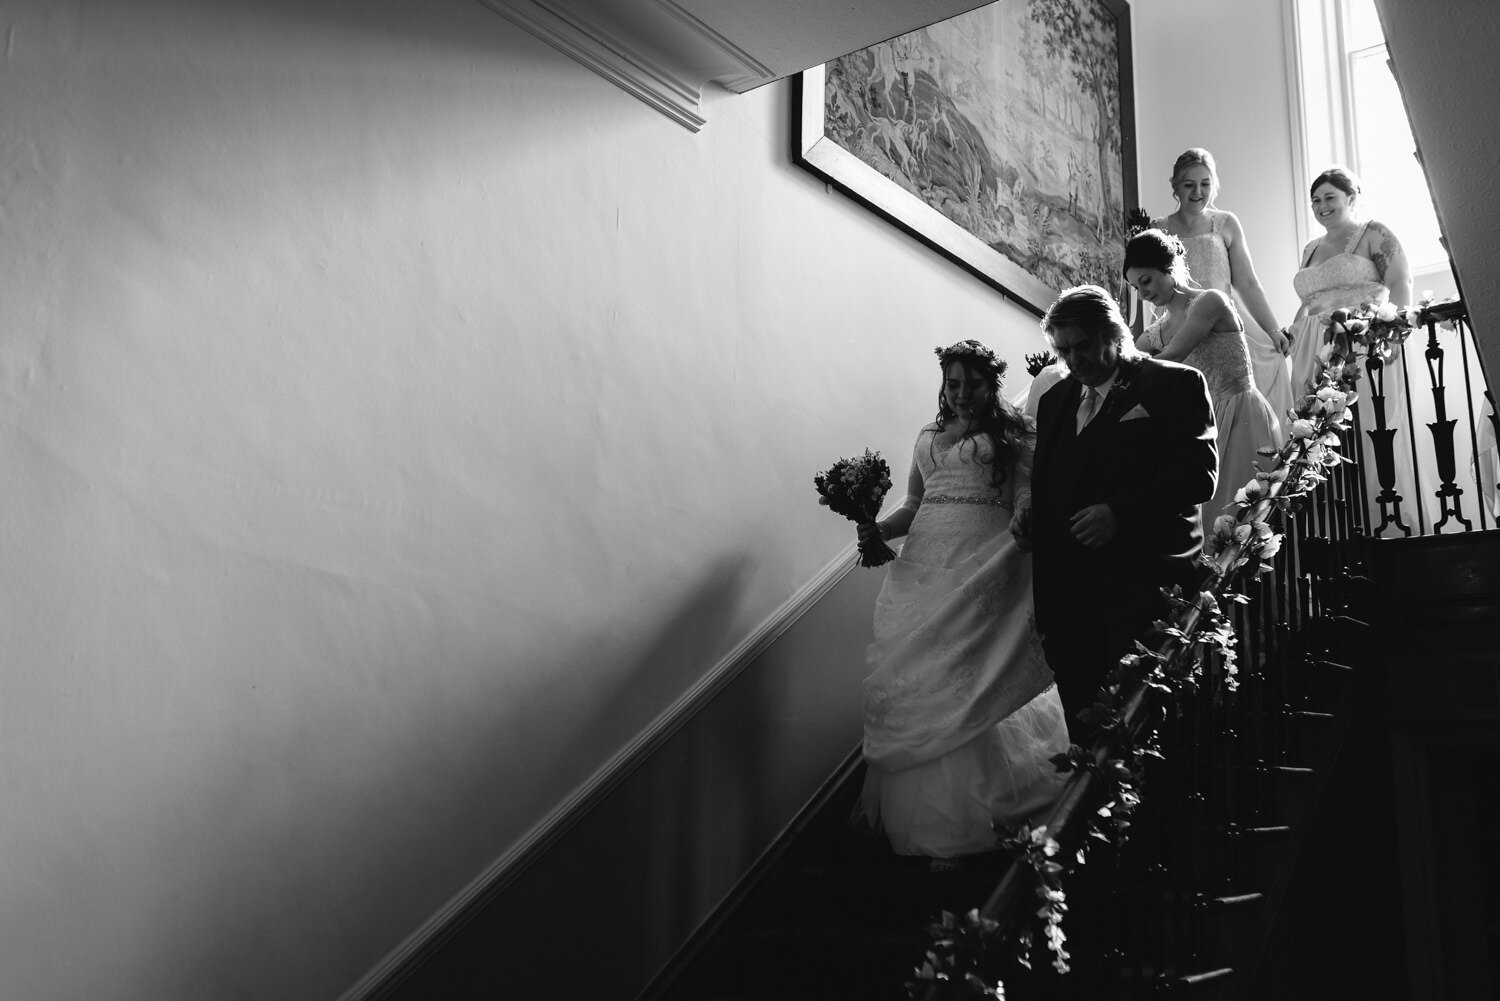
(1351,112)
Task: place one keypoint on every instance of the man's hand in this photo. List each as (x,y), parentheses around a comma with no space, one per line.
(1094,526)
(1020,525)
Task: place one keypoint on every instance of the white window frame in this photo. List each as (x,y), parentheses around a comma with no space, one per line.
(1319,67)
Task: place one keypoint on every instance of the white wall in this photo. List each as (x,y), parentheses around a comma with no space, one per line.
(1213,73)
(1444,53)
(396,417)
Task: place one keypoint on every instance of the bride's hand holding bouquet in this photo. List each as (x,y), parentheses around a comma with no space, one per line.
(855,488)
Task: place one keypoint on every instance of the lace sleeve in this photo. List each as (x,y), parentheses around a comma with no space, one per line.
(1022,470)
(916,485)
(1150,339)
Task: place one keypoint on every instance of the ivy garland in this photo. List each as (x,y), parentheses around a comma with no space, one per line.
(961,965)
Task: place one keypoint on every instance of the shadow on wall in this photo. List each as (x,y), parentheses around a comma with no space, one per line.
(604,907)
(322,899)
(656,842)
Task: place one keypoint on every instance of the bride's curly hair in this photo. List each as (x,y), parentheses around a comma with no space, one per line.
(1006,426)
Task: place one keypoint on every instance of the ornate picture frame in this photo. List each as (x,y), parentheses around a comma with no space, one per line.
(1004,138)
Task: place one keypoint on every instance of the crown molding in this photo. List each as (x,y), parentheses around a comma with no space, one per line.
(665,52)
(594,46)
(752,72)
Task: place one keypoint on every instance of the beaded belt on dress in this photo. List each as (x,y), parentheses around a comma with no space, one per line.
(956,499)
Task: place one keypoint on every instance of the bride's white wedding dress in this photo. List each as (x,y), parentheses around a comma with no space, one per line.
(961,717)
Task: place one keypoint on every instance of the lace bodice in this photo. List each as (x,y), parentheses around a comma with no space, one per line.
(1222,356)
(1344,280)
(962,473)
(955,649)
(1207,253)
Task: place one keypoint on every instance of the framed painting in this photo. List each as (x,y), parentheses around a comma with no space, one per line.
(1003,138)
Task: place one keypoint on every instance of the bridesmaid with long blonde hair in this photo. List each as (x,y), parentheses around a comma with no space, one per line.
(1218,257)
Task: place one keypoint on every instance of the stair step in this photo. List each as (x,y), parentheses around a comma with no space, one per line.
(1237,900)
(1457,565)
(807,961)
(1332,665)
(1194,979)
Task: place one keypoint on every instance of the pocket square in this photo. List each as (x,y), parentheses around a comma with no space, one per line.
(1135,413)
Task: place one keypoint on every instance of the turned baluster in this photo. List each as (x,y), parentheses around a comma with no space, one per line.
(1449,494)
(1383,440)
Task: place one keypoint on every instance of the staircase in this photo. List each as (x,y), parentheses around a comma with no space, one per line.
(1284,849)
(832,915)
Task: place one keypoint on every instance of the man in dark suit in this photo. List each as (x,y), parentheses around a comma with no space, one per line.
(1125,454)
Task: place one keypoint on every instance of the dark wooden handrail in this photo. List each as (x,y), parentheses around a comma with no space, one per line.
(1060,823)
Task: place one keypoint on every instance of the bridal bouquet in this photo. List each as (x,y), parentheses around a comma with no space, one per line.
(854,488)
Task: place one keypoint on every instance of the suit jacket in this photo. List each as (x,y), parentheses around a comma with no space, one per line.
(1150,453)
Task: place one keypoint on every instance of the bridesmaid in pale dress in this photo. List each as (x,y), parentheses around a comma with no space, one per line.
(1218,257)
(1355,263)
(1201,328)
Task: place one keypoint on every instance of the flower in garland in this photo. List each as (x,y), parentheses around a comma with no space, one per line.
(1250,493)
(1330,401)
(1222,536)
(960,966)
(1276,474)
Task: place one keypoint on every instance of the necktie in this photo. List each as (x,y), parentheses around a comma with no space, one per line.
(1087,406)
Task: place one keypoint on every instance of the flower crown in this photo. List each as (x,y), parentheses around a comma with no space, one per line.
(974,353)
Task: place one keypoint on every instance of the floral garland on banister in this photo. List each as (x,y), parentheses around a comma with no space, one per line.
(962,963)
(1377,330)
(1380,329)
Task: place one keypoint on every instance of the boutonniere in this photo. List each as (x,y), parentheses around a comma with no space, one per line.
(1126,372)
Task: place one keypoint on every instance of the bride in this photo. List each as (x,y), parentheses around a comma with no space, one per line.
(961,715)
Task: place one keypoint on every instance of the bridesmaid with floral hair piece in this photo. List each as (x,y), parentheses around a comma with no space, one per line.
(1218,257)
(1202,329)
